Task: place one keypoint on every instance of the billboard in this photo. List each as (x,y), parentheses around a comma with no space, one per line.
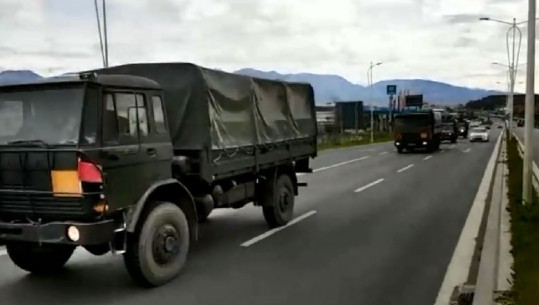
(414,100)
(349,115)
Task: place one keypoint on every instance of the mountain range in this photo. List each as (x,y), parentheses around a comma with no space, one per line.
(331,88)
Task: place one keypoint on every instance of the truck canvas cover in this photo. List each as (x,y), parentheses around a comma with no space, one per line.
(209,109)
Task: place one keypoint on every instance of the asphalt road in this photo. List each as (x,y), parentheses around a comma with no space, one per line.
(520,133)
(380,228)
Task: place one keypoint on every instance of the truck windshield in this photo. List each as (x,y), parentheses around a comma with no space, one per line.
(46,116)
(411,122)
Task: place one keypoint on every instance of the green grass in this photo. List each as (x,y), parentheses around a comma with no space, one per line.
(525,236)
(348,142)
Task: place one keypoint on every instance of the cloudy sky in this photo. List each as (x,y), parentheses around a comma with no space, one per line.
(435,39)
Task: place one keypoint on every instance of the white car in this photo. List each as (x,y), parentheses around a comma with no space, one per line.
(479,134)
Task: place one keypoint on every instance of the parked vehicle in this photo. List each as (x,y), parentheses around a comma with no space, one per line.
(480,134)
(129,159)
(418,129)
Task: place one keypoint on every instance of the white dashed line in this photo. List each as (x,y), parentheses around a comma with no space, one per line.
(3,251)
(443,150)
(405,168)
(383,153)
(369,185)
(260,237)
(340,164)
(426,158)
(467,150)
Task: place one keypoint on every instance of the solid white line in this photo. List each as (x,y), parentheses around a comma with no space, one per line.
(459,266)
(368,185)
(340,164)
(3,251)
(407,167)
(467,150)
(427,157)
(267,234)
(383,153)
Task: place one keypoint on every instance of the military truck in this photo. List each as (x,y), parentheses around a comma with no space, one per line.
(129,160)
(449,128)
(420,129)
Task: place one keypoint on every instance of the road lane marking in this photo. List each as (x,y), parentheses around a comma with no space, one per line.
(369,185)
(407,167)
(340,164)
(3,251)
(383,153)
(426,158)
(267,234)
(459,266)
(467,150)
(334,165)
(442,150)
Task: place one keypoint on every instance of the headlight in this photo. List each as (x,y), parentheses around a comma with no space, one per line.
(424,135)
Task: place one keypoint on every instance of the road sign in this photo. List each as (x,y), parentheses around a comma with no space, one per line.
(391,89)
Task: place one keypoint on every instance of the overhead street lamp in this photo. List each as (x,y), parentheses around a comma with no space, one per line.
(370,83)
(512,60)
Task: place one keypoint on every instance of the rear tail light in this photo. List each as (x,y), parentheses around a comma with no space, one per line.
(89,172)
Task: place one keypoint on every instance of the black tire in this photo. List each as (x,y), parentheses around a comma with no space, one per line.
(399,150)
(46,259)
(281,210)
(156,253)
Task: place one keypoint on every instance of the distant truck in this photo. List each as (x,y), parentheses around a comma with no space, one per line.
(449,128)
(418,129)
(129,159)
(463,128)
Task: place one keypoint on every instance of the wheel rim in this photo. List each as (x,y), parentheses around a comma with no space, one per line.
(166,244)
(285,201)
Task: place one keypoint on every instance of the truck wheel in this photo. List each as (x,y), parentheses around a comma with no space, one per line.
(282,198)
(44,259)
(157,251)
(399,150)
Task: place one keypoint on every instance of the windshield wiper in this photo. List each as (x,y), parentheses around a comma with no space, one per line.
(39,143)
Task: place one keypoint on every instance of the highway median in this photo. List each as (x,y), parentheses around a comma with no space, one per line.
(524,235)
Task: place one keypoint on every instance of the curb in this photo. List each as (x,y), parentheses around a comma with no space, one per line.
(496,261)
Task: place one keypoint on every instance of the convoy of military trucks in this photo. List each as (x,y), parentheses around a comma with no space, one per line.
(130,159)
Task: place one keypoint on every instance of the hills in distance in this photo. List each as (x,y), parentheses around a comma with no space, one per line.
(331,88)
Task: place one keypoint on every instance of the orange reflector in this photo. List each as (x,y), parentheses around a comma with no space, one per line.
(65,183)
(101,207)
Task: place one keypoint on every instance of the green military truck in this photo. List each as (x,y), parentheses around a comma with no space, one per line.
(420,129)
(129,160)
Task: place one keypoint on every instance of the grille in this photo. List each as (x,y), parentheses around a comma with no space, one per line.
(410,137)
(40,205)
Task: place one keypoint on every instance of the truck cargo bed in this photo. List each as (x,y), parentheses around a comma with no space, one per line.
(225,123)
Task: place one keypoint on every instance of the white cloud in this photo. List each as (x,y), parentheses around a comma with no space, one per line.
(441,40)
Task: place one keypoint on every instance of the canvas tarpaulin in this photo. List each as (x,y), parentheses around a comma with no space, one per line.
(218,110)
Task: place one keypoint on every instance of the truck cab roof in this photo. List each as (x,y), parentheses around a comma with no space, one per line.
(110,80)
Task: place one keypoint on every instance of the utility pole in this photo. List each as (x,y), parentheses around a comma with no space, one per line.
(105,34)
(529,120)
(370,83)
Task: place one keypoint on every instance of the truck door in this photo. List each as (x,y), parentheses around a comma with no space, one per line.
(126,161)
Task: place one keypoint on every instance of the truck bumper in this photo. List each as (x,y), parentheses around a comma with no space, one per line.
(94,233)
(413,144)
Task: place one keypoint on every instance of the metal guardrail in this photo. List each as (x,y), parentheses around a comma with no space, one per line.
(535,169)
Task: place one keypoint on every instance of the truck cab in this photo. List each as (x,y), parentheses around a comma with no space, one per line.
(82,158)
(418,130)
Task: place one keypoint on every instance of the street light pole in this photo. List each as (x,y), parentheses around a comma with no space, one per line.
(370,83)
(529,119)
(512,60)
